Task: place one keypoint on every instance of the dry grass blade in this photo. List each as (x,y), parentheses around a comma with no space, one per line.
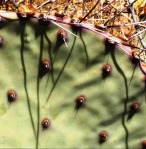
(124,19)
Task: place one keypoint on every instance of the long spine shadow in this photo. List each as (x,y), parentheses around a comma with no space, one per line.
(85,49)
(23,24)
(38,88)
(132,75)
(127,96)
(56,81)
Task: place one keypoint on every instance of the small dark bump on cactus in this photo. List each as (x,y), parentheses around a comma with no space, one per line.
(109,46)
(106,70)
(62,33)
(80,102)
(43,22)
(45,67)
(62,38)
(75,28)
(103,135)
(24,16)
(134,108)
(134,60)
(46,123)
(11,95)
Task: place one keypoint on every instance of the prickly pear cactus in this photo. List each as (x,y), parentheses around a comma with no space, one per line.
(67,86)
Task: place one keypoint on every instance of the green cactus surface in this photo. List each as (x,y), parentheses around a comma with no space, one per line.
(75,69)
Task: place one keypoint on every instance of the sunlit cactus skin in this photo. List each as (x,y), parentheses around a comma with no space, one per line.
(75,70)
